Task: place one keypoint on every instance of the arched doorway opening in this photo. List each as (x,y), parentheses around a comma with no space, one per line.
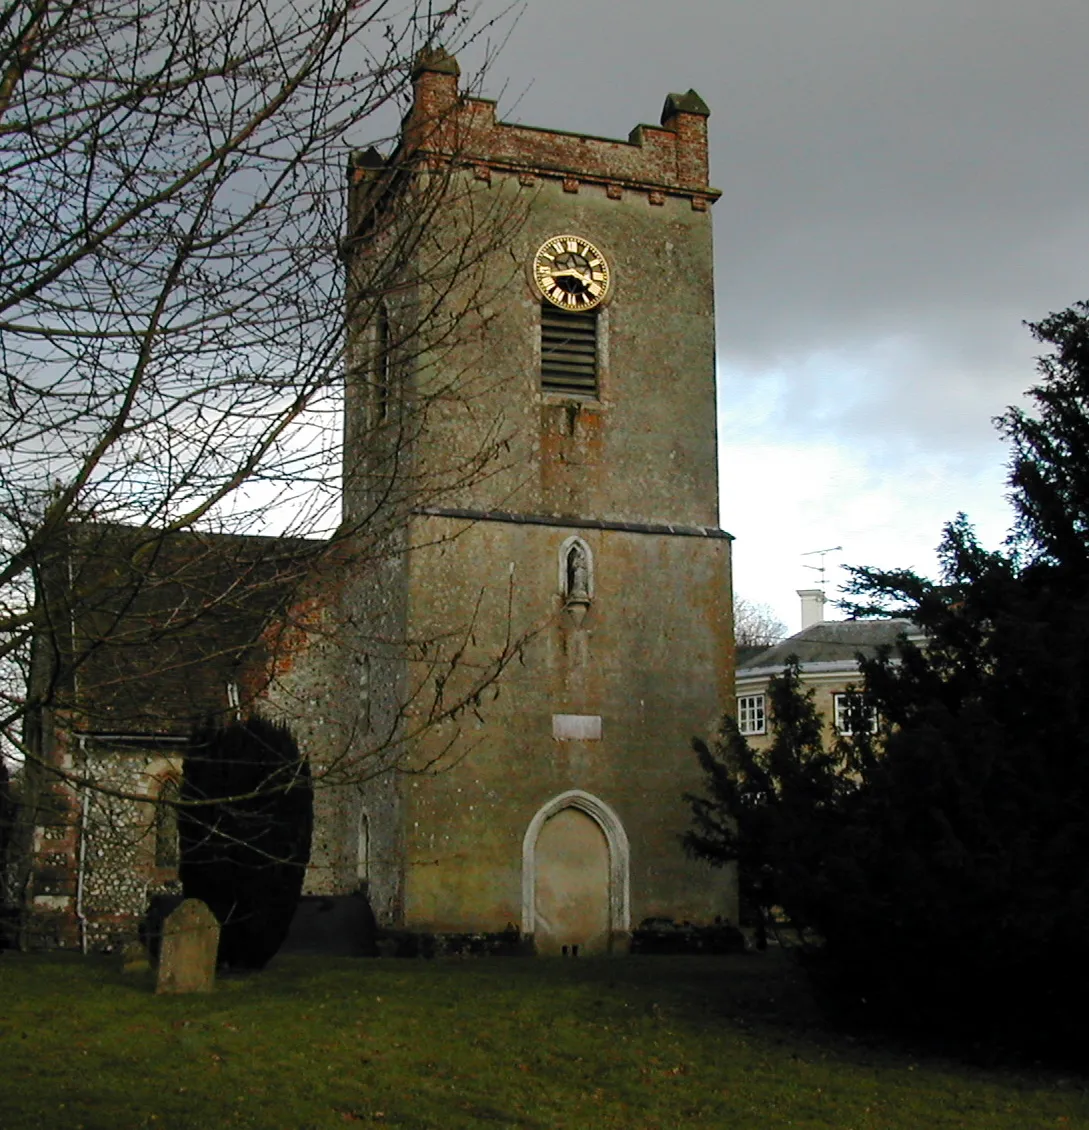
(575,876)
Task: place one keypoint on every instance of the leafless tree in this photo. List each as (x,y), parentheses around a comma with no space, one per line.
(173,313)
(756,625)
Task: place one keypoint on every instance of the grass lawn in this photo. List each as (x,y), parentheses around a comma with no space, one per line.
(628,1043)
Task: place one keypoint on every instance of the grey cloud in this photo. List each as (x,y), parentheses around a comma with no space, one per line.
(913,173)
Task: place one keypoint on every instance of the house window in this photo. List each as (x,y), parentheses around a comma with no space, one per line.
(751,718)
(853,712)
(568,351)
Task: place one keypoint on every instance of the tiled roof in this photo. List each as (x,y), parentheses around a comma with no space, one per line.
(148,628)
(831,641)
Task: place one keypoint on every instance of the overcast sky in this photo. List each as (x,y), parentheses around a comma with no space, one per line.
(903,185)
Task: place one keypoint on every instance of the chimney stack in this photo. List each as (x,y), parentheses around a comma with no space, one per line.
(812,607)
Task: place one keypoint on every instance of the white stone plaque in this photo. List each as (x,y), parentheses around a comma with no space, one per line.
(576,727)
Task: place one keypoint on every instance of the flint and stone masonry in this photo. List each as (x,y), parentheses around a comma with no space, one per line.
(554,800)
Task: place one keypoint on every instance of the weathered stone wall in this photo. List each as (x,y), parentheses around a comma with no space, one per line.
(339,685)
(645,448)
(94,848)
(405,619)
(120,872)
(651,660)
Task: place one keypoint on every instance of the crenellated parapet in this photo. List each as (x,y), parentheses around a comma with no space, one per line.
(445,124)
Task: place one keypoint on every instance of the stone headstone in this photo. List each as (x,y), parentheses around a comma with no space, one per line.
(187,959)
(134,958)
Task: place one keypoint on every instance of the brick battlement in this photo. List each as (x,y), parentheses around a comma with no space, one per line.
(443,122)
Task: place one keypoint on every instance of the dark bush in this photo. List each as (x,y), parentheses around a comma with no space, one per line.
(245,819)
(940,860)
(664,935)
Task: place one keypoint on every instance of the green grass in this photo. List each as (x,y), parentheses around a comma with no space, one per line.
(632,1043)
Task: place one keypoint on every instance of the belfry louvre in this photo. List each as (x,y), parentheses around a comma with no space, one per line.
(568,351)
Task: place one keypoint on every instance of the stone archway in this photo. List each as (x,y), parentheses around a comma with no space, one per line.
(575,875)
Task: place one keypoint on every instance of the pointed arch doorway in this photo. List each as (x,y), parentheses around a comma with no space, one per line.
(575,876)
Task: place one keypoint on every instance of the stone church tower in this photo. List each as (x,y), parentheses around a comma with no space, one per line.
(555,411)
(496,667)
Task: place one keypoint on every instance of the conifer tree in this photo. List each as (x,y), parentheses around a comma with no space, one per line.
(976,815)
(768,810)
(972,834)
(949,881)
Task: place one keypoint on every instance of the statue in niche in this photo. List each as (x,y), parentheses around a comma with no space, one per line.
(578,579)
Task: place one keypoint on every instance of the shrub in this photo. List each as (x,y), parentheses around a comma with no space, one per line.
(245,819)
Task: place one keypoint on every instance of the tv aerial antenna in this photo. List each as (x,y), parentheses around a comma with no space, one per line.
(820,568)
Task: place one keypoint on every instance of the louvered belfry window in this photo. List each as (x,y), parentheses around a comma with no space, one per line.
(568,351)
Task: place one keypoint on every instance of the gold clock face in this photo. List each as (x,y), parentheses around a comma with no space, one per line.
(571,273)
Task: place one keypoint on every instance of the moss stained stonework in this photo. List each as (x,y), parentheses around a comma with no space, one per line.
(580,681)
(632,471)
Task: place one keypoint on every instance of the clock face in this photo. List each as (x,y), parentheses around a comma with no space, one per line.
(571,273)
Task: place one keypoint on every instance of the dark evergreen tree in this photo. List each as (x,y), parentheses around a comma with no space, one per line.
(966,898)
(970,894)
(244,822)
(949,879)
(975,817)
(768,810)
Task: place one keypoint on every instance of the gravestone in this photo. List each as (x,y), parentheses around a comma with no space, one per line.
(187,959)
(134,958)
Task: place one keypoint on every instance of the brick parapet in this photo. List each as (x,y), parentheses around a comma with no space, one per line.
(446,124)
(690,131)
(672,160)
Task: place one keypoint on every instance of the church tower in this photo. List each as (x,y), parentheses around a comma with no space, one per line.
(531,394)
